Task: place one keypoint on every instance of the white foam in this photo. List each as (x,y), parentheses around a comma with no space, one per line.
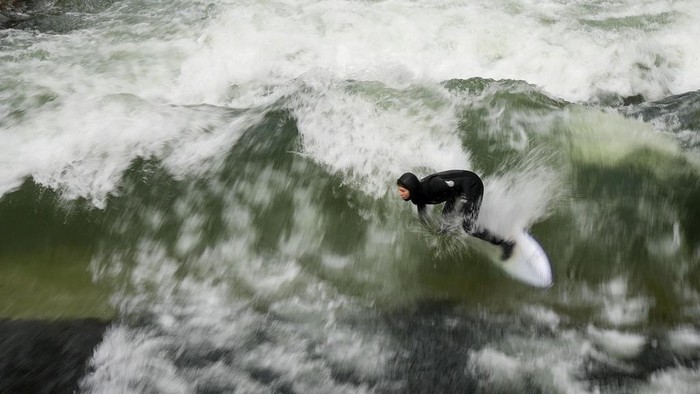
(520,197)
(621,309)
(253,54)
(129,361)
(503,371)
(372,139)
(220,297)
(685,341)
(613,302)
(543,315)
(110,90)
(564,47)
(677,381)
(85,155)
(550,366)
(336,262)
(198,314)
(617,344)
(86,103)
(606,138)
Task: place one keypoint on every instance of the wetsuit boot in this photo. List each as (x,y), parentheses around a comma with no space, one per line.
(506,245)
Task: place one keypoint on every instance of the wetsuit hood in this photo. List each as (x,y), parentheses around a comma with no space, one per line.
(409,181)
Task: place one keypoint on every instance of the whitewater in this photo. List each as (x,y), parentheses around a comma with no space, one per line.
(216,181)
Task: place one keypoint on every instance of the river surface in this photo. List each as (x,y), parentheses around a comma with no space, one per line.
(217,179)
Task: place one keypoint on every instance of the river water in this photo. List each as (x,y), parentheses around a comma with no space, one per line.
(218,180)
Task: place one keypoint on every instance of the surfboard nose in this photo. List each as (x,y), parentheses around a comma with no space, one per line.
(529,263)
(545,277)
(540,266)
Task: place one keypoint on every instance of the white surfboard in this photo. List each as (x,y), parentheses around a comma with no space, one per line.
(528,263)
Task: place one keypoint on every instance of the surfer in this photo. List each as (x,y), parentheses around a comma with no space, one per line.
(461,191)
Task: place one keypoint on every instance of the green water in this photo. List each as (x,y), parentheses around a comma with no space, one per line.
(46,246)
(217,179)
(623,191)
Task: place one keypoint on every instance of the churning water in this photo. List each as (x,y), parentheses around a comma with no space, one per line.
(217,178)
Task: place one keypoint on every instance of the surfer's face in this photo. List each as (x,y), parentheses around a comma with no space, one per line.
(404,193)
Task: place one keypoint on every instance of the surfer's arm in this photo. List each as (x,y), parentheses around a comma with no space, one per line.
(438,186)
(422,213)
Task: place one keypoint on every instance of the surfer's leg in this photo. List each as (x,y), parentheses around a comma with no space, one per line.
(474,190)
(470,210)
(488,236)
(448,208)
(449,214)
(470,202)
(469,205)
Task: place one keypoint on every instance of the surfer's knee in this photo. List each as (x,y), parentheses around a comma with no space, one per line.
(468,224)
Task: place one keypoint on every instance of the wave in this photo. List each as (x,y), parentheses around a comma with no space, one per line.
(231,205)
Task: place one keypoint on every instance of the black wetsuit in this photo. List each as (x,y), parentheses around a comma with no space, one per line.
(454,188)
